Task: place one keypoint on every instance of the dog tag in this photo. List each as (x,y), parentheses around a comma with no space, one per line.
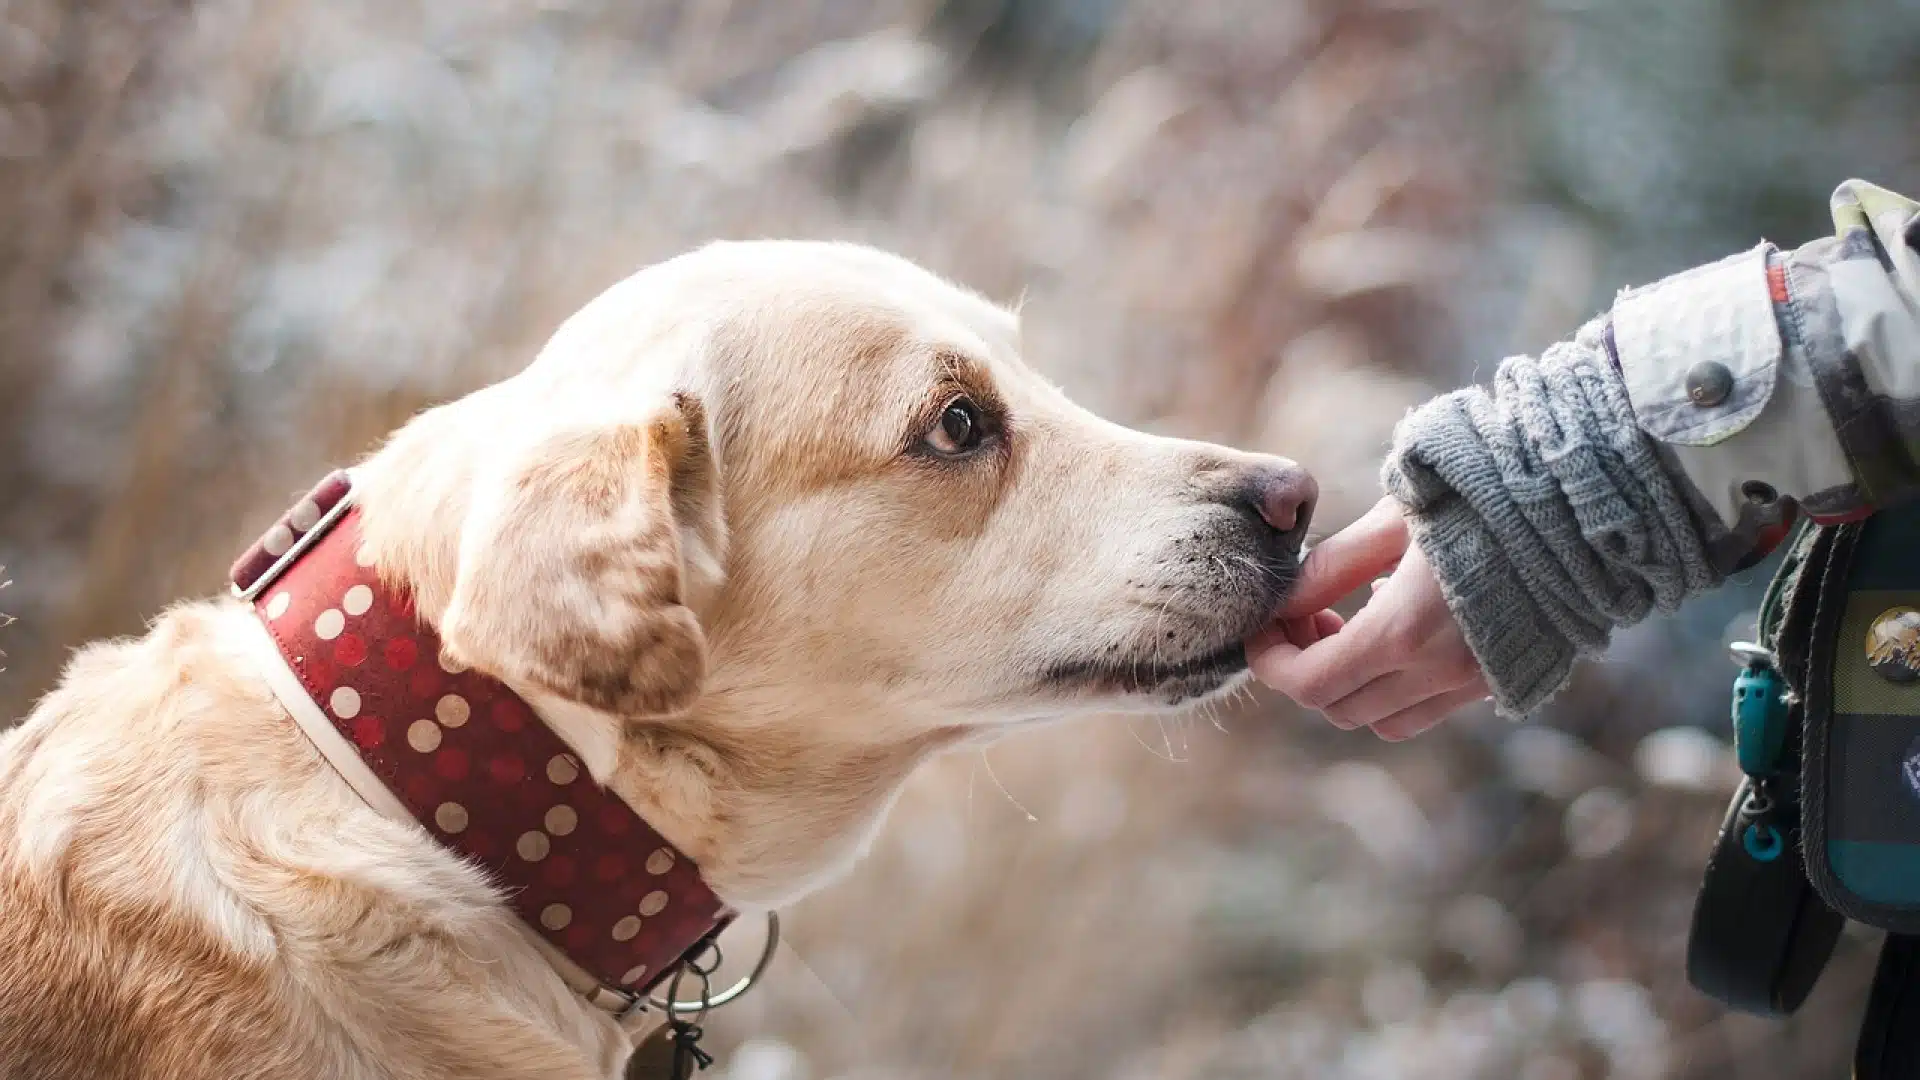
(657,1058)
(671,1052)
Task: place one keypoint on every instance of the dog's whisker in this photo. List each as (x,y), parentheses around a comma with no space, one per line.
(1167,741)
(1210,711)
(1148,747)
(1243,694)
(988,762)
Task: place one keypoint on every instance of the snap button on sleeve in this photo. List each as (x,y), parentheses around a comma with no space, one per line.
(1700,352)
(1709,384)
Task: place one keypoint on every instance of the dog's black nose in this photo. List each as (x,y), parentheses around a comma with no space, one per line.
(1283,496)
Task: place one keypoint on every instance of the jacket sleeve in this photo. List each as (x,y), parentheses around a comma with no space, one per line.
(1775,379)
(1669,442)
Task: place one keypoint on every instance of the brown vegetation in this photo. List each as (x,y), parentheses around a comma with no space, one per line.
(244,240)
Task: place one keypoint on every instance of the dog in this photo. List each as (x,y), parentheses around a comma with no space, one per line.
(761,529)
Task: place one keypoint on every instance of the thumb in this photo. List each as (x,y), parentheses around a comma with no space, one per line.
(1349,559)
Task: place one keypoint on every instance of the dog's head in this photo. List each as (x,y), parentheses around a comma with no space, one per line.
(765,475)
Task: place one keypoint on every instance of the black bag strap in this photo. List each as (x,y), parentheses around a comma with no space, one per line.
(1787,614)
(1760,935)
(1889,1044)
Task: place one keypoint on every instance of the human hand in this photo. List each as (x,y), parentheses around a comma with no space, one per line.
(1400,666)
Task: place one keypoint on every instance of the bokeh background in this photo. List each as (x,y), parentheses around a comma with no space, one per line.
(240,239)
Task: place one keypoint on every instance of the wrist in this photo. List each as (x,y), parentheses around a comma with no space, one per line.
(1524,657)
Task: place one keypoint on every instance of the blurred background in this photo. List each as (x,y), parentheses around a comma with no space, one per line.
(240,239)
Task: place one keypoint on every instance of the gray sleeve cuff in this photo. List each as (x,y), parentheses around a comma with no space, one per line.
(1526,659)
(1547,515)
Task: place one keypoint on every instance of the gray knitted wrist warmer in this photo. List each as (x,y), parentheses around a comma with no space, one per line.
(1547,515)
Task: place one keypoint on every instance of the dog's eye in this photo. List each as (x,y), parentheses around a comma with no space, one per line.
(959,429)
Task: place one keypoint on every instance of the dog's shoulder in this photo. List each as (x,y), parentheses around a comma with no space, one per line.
(103,974)
(103,990)
(187,890)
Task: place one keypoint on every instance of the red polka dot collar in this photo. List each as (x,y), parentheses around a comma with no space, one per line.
(466,759)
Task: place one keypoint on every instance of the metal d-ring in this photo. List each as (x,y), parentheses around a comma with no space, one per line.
(671,1006)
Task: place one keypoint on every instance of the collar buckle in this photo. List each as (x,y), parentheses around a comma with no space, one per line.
(297,530)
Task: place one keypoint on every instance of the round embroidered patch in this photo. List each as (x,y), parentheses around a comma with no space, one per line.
(1893,645)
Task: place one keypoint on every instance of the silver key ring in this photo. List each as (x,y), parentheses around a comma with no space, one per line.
(670,1006)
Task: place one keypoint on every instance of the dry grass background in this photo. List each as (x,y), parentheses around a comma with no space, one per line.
(242,240)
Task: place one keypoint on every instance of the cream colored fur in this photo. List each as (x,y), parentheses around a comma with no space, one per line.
(704,535)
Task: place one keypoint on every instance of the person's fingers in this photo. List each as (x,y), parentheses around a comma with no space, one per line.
(1412,721)
(1297,633)
(1333,667)
(1271,650)
(1270,637)
(1397,691)
(1346,560)
(1397,651)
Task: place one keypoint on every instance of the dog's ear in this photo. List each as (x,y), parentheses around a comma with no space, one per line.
(575,561)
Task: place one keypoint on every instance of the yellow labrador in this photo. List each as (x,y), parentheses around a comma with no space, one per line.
(761,529)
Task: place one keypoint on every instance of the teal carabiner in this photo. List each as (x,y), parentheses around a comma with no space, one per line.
(1760,713)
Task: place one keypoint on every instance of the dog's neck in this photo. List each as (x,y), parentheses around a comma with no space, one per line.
(772,794)
(768,817)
